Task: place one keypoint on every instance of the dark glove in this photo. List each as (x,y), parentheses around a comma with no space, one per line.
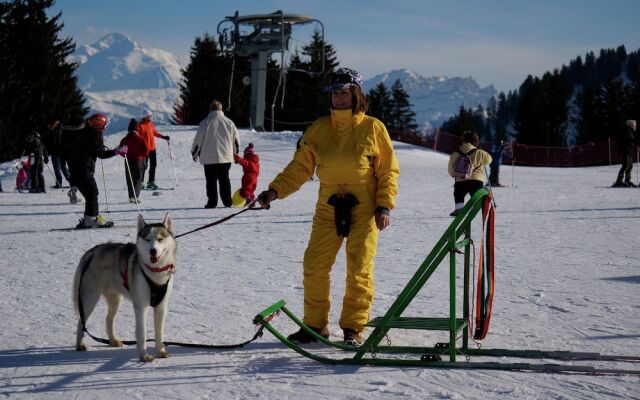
(166,138)
(267,197)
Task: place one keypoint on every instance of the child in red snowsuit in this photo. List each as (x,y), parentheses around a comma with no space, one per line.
(251,168)
(22,178)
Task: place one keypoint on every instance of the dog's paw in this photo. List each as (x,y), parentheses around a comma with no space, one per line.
(82,347)
(147,358)
(163,354)
(115,342)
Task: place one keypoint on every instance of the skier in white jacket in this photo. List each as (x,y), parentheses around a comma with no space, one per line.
(214,144)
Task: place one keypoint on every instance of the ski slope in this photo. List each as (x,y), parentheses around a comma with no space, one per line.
(567,278)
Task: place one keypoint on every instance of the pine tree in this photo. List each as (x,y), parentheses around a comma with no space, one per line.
(37,82)
(305,99)
(633,99)
(380,103)
(480,122)
(587,123)
(613,100)
(401,115)
(198,87)
(208,77)
(460,123)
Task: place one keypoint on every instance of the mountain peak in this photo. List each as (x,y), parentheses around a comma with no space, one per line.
(435,98)
(116,42)
(116,62)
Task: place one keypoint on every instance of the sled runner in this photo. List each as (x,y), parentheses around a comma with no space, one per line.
(456,239)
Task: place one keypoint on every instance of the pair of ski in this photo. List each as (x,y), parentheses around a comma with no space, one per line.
(109,224)
(158,188)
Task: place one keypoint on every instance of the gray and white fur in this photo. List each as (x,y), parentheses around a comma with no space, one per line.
(106,270)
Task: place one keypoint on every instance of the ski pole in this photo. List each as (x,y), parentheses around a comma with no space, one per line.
(104,184)
(133,186)
(172,166)
(513,170)
(54,176)
(493,197)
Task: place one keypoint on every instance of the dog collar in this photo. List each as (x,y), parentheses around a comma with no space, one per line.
(160,269)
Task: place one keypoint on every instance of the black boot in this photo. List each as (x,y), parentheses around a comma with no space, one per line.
(302,336)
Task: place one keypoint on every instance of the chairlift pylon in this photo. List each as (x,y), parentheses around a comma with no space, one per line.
(266,34)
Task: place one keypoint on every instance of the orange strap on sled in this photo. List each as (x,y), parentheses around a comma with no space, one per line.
(485,288)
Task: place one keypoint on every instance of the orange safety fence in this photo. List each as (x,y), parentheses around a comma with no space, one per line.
(591,154)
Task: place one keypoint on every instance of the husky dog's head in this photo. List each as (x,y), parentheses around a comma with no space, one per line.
(155,242)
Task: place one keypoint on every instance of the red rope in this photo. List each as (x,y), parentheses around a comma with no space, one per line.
(486,267)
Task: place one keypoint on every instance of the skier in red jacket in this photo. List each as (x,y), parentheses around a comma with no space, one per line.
(251,169)
(137,152)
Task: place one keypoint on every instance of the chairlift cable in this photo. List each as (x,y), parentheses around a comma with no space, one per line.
(233,67)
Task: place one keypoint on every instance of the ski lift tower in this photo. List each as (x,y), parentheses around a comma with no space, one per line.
(269,33)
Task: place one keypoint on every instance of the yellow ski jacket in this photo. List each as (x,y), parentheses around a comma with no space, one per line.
(346,152)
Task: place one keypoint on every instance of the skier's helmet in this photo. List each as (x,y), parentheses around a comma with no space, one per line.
(33,137)
(343,78)
(98,122)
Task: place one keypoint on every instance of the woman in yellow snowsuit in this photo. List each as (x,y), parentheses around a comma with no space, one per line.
(352,155)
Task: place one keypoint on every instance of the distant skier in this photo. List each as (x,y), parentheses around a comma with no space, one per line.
(628,140)
(136,153)
(39,157)
(22,177)
(147,130)
(477,159)
(87,146)
(494,168)
(57,160)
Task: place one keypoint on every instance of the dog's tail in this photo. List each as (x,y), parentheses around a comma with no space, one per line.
(83,265)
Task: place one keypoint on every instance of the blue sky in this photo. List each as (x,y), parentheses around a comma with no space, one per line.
(496,42)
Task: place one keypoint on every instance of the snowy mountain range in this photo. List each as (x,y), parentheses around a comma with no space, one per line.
(121,78)
(437,98)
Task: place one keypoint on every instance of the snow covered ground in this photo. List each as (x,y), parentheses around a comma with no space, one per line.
(567,277)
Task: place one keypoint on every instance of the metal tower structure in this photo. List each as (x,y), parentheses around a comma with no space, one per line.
(266,34)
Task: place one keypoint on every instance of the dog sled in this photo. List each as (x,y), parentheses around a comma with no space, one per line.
(456,353)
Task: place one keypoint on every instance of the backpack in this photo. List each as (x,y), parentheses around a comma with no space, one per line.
(463,166)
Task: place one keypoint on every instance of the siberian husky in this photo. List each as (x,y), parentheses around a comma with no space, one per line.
(140,272)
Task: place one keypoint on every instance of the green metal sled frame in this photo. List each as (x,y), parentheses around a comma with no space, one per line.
(447,245)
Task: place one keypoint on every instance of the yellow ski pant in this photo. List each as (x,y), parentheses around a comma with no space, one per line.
(324,244)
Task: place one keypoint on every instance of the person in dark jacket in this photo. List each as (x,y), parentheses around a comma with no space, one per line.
(82,154)
(627,143)
(58,162)
(494,168)
(137,152)
(39,157)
